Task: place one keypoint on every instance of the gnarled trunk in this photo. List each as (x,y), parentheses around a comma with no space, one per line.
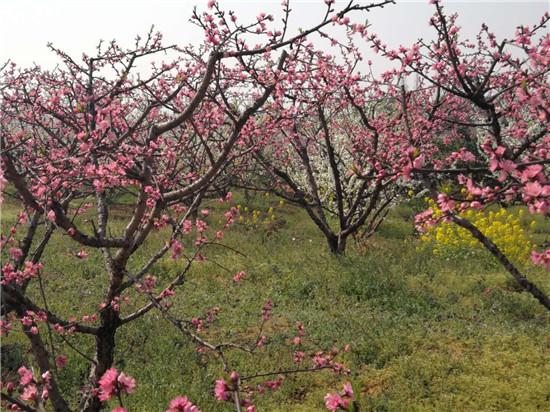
(337,244)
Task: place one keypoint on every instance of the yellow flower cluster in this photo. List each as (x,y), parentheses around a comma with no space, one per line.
(251,218)
(503,227)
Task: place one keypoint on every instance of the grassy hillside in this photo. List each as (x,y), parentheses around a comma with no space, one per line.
(427,333)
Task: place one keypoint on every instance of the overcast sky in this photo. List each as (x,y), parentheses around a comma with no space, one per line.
(76,25)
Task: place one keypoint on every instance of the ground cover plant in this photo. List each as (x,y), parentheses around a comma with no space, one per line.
(426,332)
(164,238)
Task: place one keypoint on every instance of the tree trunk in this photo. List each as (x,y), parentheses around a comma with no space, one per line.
(104,357)
(342,242)
(337,244)
(105,341)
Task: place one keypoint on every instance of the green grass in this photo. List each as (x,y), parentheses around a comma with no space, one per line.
(426,333)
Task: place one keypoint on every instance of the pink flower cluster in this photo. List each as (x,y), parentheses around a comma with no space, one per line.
(266,311)
(182,404)
(10,274)
(221,390)
(30,389)
(335,401)
(239,276)
(541,258)
(112,383)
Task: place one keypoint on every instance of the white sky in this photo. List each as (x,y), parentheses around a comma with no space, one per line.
(75,26)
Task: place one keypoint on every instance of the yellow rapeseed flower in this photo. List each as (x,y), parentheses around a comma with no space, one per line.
(503,227)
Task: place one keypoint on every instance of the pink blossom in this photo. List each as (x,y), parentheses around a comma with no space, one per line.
(51,216)
(60,361)
(81,254)
(268,307)
(148,284)
(418,162)
(5,327)
(299,356)
(333,401)
(126,383)
(508,166)
(182,404)
(99,185)
(107,384)
(166,293)
(444,203)
(10,387)
(112,383)
(201,225)
(261,341)
(239,276)
(531,172)
(406,172)
(25,376)
(103,125)
(348,390)
(30,393)
(275,384)
(500,150)
(15,253)
(221,390)
(533,189)
(542,258)
(177,248)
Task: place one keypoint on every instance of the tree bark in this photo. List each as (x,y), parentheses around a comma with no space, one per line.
(103,359)
(105,341)
(337,244)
